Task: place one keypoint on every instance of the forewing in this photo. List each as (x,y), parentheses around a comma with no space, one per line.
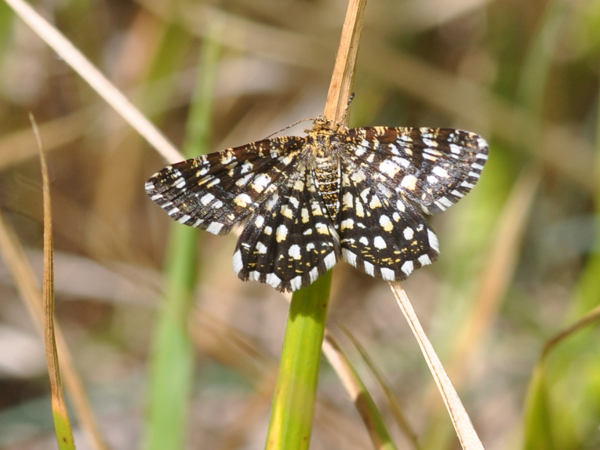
(433,167)
(289,241)
(214,192)
(381,233)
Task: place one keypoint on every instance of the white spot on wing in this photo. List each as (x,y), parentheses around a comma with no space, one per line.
(388,274)
(424,260)
(294,251)
(207,199)
(349,257)
(296,283)
(304,214)
(313,274)
(246,167)
(407,267)
(330,260)
(433,241)
(273,280)
(286,211)
(183,219)
(348,223)
(444,201)
(369,269)
(389,168)
(360,212)
(213,182)
(360,151)
(440,172)
(254,276)
(379,243)
(347,200)
(244,180)
(237,261)
(261,182)
(403,162)
(281,233)
(214,227)
(409,182)
(456,149)
(358,176)
(321,228)
(242,200)
(386,223)
(375,203)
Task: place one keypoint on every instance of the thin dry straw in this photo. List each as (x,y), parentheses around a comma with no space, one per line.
(95,79)
(62,422)
(30,293)
(460,419)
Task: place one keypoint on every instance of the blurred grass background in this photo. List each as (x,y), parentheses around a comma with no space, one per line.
(519,256)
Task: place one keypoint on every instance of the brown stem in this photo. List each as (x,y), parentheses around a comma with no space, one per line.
(342,79)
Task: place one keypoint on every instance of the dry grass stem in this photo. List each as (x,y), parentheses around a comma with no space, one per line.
(95,79)
(395,405)
(586,320)
(460,419)
(468,101)
(30,293)
(342,79)
(62,422)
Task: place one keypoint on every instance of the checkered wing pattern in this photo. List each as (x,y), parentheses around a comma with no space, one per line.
(289,241)
(386,173)
(381,232)
(353,194)
(214,192)
(432,167)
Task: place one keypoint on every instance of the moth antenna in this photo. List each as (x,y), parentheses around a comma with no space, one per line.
(289,126)
(347,108)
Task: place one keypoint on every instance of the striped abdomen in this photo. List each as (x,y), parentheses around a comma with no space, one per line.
(328,178)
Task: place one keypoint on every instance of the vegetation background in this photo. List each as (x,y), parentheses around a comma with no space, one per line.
(519,256)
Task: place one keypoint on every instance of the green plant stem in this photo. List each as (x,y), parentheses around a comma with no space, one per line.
(295,394)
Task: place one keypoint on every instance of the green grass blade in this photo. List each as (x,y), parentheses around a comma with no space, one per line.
(363,401)
(562,407)
(173,358)
(7,19)
(296,390)
(538,424)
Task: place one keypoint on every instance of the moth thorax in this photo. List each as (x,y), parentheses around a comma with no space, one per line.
(327,177)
